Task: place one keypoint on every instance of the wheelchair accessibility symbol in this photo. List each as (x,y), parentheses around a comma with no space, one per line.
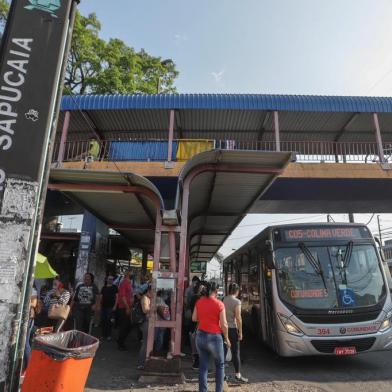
(348,297)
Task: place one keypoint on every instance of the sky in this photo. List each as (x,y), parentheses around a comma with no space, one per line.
(334,47)
(261,46)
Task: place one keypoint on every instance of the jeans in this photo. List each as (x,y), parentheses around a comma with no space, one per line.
(159,338)
(82,317)
(210,345)
(27,351)
(125,327)
(235,349)
(143,348)
(106,322)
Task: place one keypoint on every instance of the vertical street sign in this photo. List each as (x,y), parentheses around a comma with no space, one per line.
(32,55)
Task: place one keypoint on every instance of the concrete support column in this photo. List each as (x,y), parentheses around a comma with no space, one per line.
(171,135)
(92,253)
(277,130)
(64,135)
(87,242)
(380,147)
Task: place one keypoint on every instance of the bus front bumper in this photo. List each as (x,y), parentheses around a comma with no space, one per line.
(294,346)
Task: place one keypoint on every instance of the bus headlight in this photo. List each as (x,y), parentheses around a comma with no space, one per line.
(290,326)
(386,324)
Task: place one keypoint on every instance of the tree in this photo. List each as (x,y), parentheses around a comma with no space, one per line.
(4,8)
(100,67)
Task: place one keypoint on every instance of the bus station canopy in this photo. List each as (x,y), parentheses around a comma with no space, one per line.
(240,117)
(225,186)
(126,202)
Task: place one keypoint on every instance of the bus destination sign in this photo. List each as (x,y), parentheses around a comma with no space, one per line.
(325,233)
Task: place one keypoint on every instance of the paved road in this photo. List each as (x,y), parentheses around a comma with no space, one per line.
(115,371)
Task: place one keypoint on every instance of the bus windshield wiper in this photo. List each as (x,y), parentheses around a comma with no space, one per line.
(313,262)
(347,254)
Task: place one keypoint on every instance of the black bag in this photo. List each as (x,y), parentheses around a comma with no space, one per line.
(137,314)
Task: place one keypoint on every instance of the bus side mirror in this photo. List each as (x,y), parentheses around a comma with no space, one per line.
(380,249)
(268,255)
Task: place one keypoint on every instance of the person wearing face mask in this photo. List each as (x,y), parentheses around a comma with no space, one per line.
(58,295)
(84,302)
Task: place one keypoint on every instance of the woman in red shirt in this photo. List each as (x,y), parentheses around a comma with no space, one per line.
(210,313)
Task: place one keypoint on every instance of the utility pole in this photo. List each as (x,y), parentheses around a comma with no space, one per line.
(29,106)
(379,227)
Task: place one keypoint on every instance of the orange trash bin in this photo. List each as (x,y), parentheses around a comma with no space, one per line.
(60,362)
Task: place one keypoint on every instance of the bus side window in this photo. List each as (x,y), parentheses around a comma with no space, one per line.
(253,278)
(245,281)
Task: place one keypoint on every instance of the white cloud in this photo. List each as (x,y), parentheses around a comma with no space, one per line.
(180,38)
(218,76)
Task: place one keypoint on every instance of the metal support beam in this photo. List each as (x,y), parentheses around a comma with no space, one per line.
(170,138)
(378,138)
(345,126)
(178,124)
(68,187)
(94,129)
(263,125)
(64,135)
(276,130)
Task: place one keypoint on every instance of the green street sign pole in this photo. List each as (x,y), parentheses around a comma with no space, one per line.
(33,55)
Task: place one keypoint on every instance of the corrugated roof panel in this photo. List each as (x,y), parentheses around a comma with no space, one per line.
(230,101)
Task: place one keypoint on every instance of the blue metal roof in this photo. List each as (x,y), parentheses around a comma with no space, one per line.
(301,103)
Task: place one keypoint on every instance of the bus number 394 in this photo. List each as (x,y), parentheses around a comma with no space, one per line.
(323,331)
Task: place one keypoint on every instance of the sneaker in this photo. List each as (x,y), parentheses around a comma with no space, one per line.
(140,367)
(195,366)
(241,380)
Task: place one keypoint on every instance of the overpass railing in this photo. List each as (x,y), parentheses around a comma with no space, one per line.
(157,150)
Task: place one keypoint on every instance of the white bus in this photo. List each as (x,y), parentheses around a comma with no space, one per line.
(314,289)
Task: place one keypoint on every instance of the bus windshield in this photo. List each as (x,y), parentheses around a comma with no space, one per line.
(327,277)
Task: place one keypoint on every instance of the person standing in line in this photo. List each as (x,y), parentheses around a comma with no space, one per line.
(163,312)
(125,301)
(193,327)
(234,320)
(108,307)
(146,309)
(210,313)
(35,308)
(58,295)
(85,301)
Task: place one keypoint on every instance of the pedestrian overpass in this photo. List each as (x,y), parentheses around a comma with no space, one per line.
(181,171)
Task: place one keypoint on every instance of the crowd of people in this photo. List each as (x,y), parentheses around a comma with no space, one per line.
(214,326)
(123,302)
(215,329)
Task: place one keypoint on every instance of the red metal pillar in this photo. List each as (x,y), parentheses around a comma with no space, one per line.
(64,134)
(173,268)
(157,260)
(182,263)
(277,130)
(378,138)
(171,135)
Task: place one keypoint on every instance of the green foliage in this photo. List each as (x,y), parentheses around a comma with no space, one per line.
(4,8)
(100,67)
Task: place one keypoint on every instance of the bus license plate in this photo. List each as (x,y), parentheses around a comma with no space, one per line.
(345,351)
